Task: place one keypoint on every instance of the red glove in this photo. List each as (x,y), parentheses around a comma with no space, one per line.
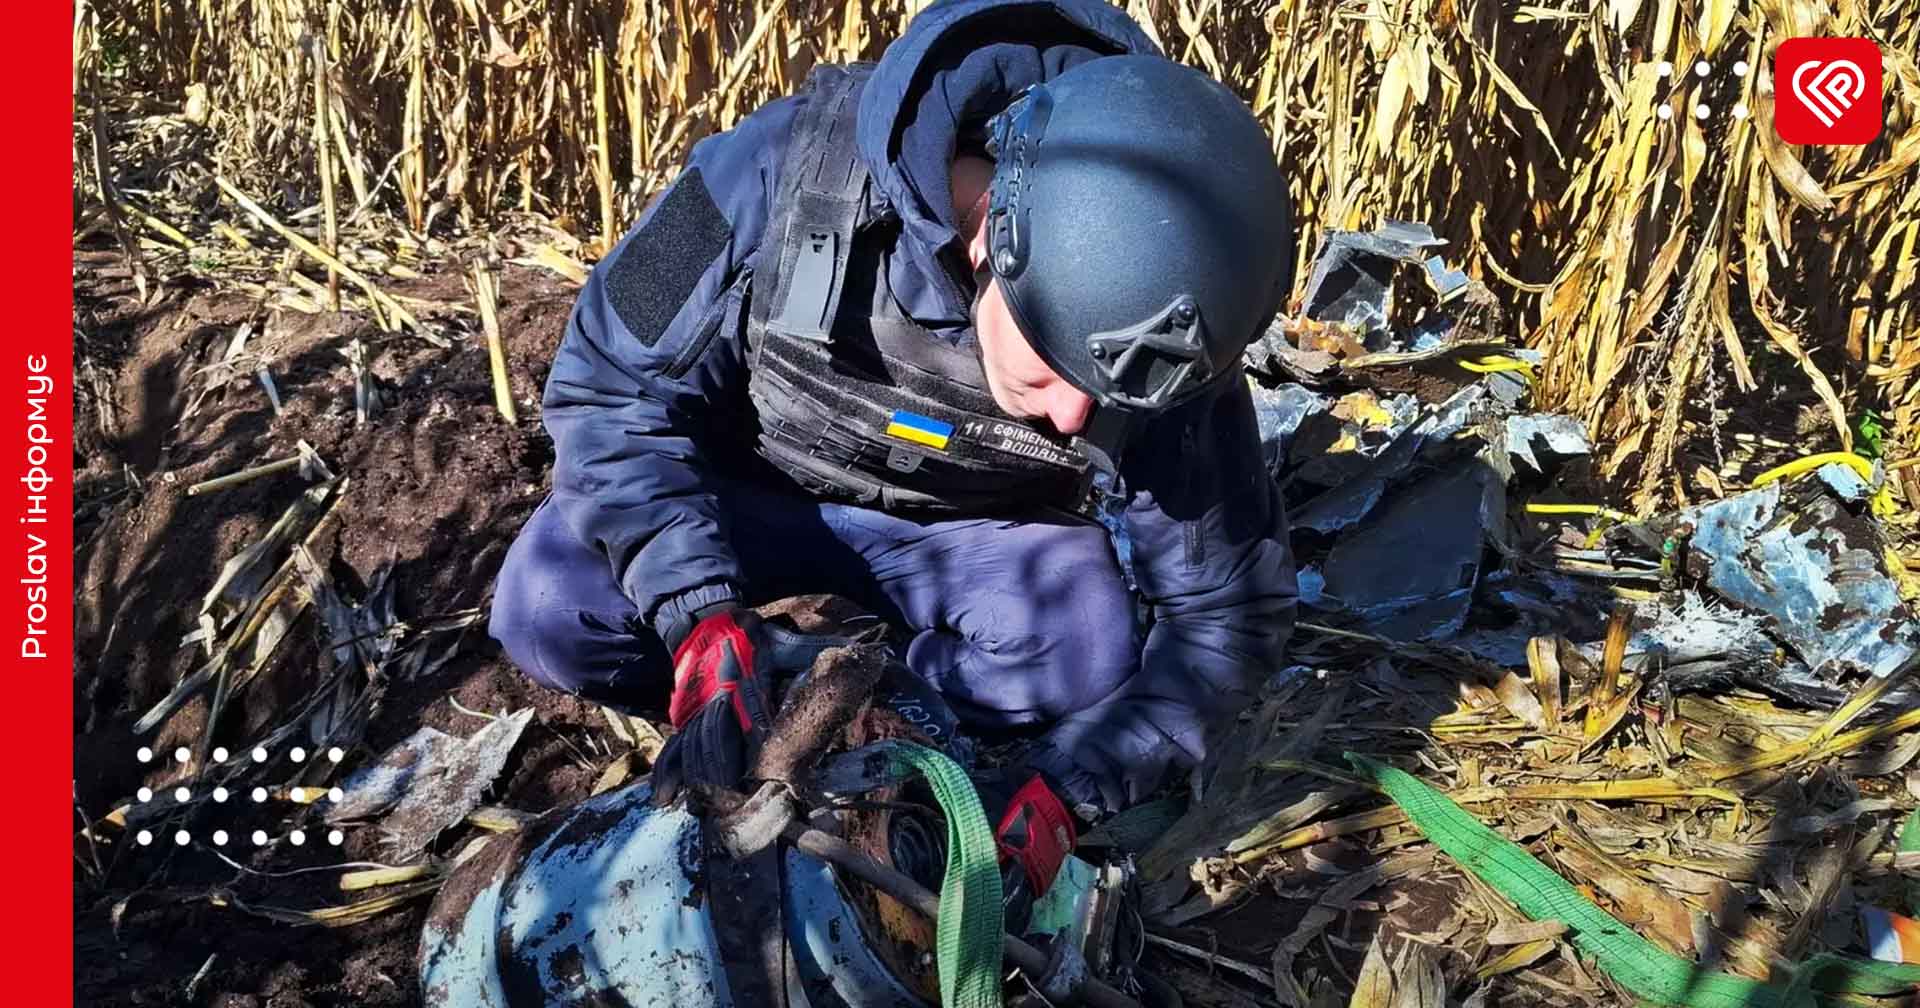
(1034,835)
(721,655)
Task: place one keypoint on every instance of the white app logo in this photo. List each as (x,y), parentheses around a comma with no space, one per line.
(1832,91)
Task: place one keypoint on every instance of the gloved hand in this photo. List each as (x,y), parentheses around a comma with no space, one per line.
(1033,832)
(721,707)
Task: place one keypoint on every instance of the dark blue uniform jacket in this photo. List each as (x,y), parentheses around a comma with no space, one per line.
(647,393)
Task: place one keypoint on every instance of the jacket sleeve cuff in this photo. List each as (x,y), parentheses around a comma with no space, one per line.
(677,616)
(1073,784)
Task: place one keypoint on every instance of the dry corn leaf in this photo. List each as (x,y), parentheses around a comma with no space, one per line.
(1524,932)
(1793,175)
(1641,906)
(1520,701)
(1518,957)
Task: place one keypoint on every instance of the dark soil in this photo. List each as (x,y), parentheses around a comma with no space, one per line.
(440,484)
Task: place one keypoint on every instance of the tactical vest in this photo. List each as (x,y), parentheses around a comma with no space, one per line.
(856,401)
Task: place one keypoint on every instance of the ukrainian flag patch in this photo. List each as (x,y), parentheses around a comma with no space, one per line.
(919,429)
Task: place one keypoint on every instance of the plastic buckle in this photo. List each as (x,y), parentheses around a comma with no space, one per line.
(903,461)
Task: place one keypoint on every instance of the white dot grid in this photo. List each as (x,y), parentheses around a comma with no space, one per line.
(182,838)
(260,754)
(1701,69)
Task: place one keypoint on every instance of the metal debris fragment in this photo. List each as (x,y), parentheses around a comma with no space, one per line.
(444,783)
(1813,569)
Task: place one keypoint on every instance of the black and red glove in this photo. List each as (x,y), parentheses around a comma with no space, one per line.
(721,659)
(720,708)
(1033,832)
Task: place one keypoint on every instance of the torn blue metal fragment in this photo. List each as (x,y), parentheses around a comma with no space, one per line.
(1447,282)
(1845,481)
(1813,569)
(1532,436)
(608,904)
(1352,278)
(1409,572)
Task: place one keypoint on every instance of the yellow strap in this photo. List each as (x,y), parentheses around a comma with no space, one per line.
(1881,503)
(1497,362)
(1585,509)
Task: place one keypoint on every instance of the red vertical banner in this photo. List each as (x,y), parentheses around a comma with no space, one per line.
(36,504)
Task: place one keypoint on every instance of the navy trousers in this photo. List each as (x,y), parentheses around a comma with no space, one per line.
(1015,623)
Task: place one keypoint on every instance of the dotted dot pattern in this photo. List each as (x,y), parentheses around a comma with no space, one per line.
(1702,70)
(219,837)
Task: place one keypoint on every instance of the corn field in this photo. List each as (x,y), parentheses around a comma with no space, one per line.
(1674,261)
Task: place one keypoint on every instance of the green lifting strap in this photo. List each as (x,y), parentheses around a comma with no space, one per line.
(1649,971)
(969,934)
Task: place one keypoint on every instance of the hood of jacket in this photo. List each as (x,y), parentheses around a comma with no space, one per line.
(958,63)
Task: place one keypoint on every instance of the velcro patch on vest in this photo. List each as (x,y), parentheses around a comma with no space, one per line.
(1016,439)
(922,430)
(662,265)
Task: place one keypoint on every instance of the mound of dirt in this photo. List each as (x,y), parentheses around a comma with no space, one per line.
(439,485)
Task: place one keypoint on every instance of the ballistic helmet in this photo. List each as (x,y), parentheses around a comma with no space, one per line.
(1140,228)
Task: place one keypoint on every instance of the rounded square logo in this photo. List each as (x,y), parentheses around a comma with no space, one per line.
(1827,91)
